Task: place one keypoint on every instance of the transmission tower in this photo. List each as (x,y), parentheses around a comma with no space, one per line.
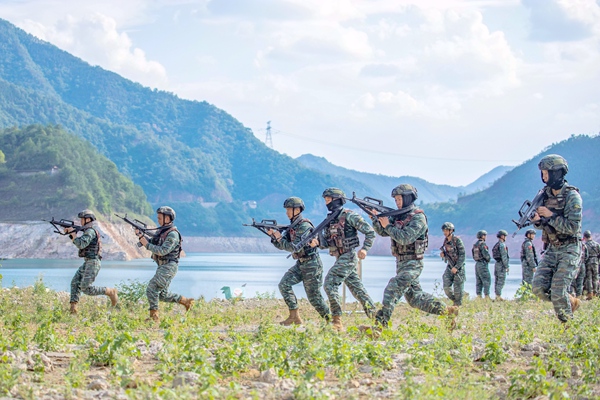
(269,138)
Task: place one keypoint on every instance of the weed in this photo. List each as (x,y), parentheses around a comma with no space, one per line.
(132,291)
(525,293)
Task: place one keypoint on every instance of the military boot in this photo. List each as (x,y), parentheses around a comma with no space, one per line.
(337,323)
(186,302)
(73,309)
(153,316)
(294,318)
(575,303)
(589,296)
(499,298)
(487,297)
(112,294)
(452,313)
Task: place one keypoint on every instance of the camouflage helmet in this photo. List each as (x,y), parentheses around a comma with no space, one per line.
(553,162)
(166,210)
(404,189)
(334,193)
(587,234)
(87,214)
(448,225)
(481,234)
(530,231)
(294,202)
(501,232)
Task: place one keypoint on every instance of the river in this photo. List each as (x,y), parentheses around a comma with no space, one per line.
(204,274)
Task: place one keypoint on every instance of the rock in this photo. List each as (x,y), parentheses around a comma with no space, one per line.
(367,382)
(401,357)
(261,385)
(576,372)
(287,384)
(500,379)
(268,376)
(353,384)
(53,354)
(365,369)
(528,354)
(535,347)
(185,378)
(97,384)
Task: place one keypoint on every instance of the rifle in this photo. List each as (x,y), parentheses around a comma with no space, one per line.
(267,224)
(64,223)
(447,258)
(368,204)
(139,225)
(310,234)
(531,207)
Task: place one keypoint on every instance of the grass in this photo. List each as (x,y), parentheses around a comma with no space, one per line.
(511,349)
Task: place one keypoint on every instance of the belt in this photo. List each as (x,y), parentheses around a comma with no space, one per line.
(559,242)
(307,258)
(407,257)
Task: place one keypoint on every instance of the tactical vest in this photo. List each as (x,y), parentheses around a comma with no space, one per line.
(159,239)
(556,204)
(496,251)
(415,250)
(476,251)
(451,250)
(94,249)
(341,237)
(593,251)
(584,255)
(523,251)
(290,235)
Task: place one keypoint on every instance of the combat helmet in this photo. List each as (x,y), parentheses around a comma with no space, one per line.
(334,193)
(481,234)
(166,210)
(530,231)
(87,214)
(294,202)
(501,232)
(587,234)
(404,189)
(448,225)
(553,162)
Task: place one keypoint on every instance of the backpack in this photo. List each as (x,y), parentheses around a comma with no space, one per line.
(496,252)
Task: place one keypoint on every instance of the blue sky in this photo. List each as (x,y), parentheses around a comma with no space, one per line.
(440,89)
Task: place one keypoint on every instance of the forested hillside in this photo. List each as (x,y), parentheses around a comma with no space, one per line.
(48,172)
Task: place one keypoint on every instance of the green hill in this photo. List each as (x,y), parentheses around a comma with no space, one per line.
(494,208)
(49,172)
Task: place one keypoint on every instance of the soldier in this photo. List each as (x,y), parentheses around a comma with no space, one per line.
(308,268)
(500,254)
(560,221)
(453,253)
(481,255)
(90,249)
(529,259)
(408,232)
(591,266)
(166,250)
(580,276)
(341,238)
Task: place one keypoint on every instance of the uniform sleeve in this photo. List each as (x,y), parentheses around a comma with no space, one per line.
(84,240)
(410,232)
(504,254)
(171,241)
(285,244)
(570,222)
(485,253)
(460,247)
(378,228)
(359,223)
(529,255)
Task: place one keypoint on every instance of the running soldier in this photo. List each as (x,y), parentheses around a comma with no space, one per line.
(529,259)
(481,255)
(308,268)
(500,254)
(453,253)
(591,266)
(560,221)
(90,249)
(165,247)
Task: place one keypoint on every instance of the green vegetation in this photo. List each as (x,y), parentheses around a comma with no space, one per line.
(49,172)
(512,349)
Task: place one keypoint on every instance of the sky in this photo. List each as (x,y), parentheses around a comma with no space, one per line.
(444,90)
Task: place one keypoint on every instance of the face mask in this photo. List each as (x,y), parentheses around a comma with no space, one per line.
(407,200)
(556,179)
(335,204)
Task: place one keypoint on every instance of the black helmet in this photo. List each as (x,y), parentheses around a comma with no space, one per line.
(166,210)
(587,234)
(532,231)
(553,162)
(448,225)
(294,202)
(481,234)
(501,232)
(87,214)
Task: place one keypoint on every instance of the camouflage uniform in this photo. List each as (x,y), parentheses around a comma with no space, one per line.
(591,265)
(166,249)
(500,268)
(409,241)
(89,246)
(308,268)
(454,255)
(481,255)
(577,283)
(529,260)
(341,239)
(560,234)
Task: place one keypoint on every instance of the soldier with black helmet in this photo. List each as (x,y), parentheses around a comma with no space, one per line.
(341,238)
(529,259)
(453,253)
(500,254)
(560,221)
(165,247)
(408,232)
(591,265)
(308,268)
(481,255)
(90,249)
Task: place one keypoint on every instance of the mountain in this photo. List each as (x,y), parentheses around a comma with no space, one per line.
(50,173)
(382,185)
(188,154)
(494,208)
